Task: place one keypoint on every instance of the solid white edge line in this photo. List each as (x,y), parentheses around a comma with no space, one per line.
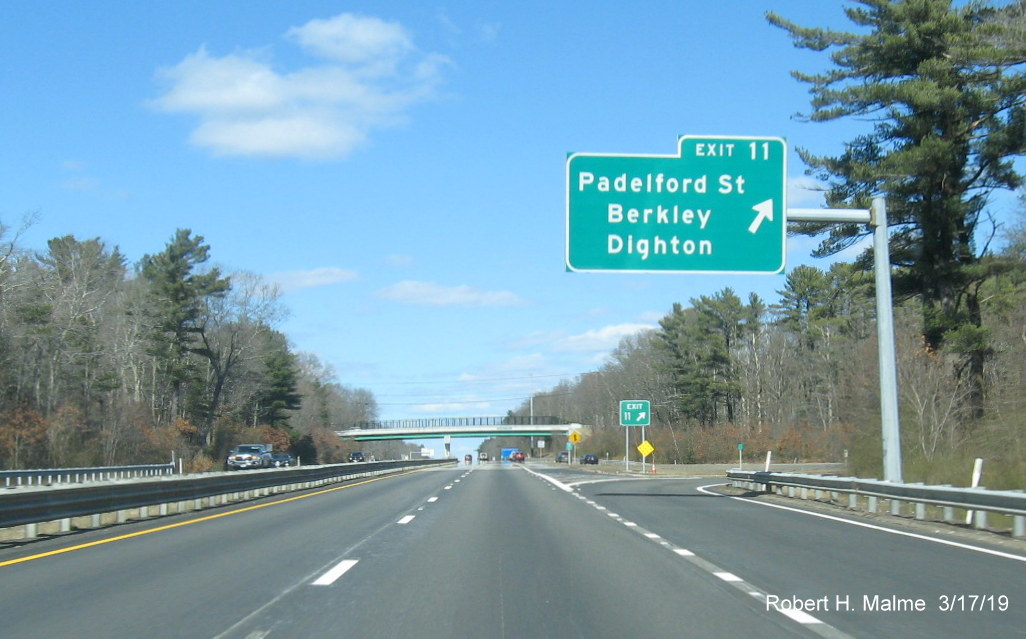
(945,542)
(555,482)
(332,575)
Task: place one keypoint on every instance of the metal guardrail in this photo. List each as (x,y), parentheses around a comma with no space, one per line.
(41,476)
(30,506)
(977,502)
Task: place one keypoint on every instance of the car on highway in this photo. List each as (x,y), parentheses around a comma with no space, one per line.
(281,459)
(563,457)
(249,456)
(589,459)
(517,456)
(356,457)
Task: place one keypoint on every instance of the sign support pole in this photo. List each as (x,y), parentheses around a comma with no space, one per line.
(885,338)
(877,218)
(643,457)
(626,449)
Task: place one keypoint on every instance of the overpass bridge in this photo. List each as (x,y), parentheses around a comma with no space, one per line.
(441,427)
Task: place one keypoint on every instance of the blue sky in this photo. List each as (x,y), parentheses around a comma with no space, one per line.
(397,167)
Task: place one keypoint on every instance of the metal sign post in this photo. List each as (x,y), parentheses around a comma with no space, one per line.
(877,218)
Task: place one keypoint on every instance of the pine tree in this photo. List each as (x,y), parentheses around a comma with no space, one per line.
(945,89)
(279,386)
(177,294)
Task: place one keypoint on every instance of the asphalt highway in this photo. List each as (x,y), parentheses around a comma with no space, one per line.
(508,551)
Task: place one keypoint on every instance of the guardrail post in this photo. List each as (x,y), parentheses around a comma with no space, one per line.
(1019,526)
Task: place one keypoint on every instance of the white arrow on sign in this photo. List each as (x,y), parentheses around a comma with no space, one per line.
(641,417)
(765,212)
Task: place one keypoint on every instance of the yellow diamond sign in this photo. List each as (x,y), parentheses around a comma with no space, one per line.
(646,448)
(575,437)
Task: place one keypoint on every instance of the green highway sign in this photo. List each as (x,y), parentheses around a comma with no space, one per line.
(635,412)
(718,205)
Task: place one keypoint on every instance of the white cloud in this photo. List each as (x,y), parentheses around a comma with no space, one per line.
(603,339)
(652,317)
(454,407)
(365,76)
(81,184)
(519,368)
(431,294)
(296,280)
(804,193)
(399,260)
(353,39)
(79,180)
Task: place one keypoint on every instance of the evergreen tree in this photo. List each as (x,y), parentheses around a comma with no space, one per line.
(177,294)
(278,392)
(691,356)
(945,89)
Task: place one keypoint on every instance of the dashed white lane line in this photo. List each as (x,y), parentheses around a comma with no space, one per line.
(337,571)
(432,500)
(801,617)
(407,519)
(805,619)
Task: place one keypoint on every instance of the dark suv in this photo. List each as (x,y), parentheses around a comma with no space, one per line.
(356,457)
(589,459)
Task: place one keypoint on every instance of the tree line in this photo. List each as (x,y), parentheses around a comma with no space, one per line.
(106,363)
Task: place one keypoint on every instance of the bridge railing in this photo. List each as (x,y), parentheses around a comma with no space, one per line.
(975,502)
(450,422)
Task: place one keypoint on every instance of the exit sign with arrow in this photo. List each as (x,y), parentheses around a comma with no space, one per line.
(635,412)
(716,206)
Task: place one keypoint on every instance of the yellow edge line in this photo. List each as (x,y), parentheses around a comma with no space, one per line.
(140,533)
